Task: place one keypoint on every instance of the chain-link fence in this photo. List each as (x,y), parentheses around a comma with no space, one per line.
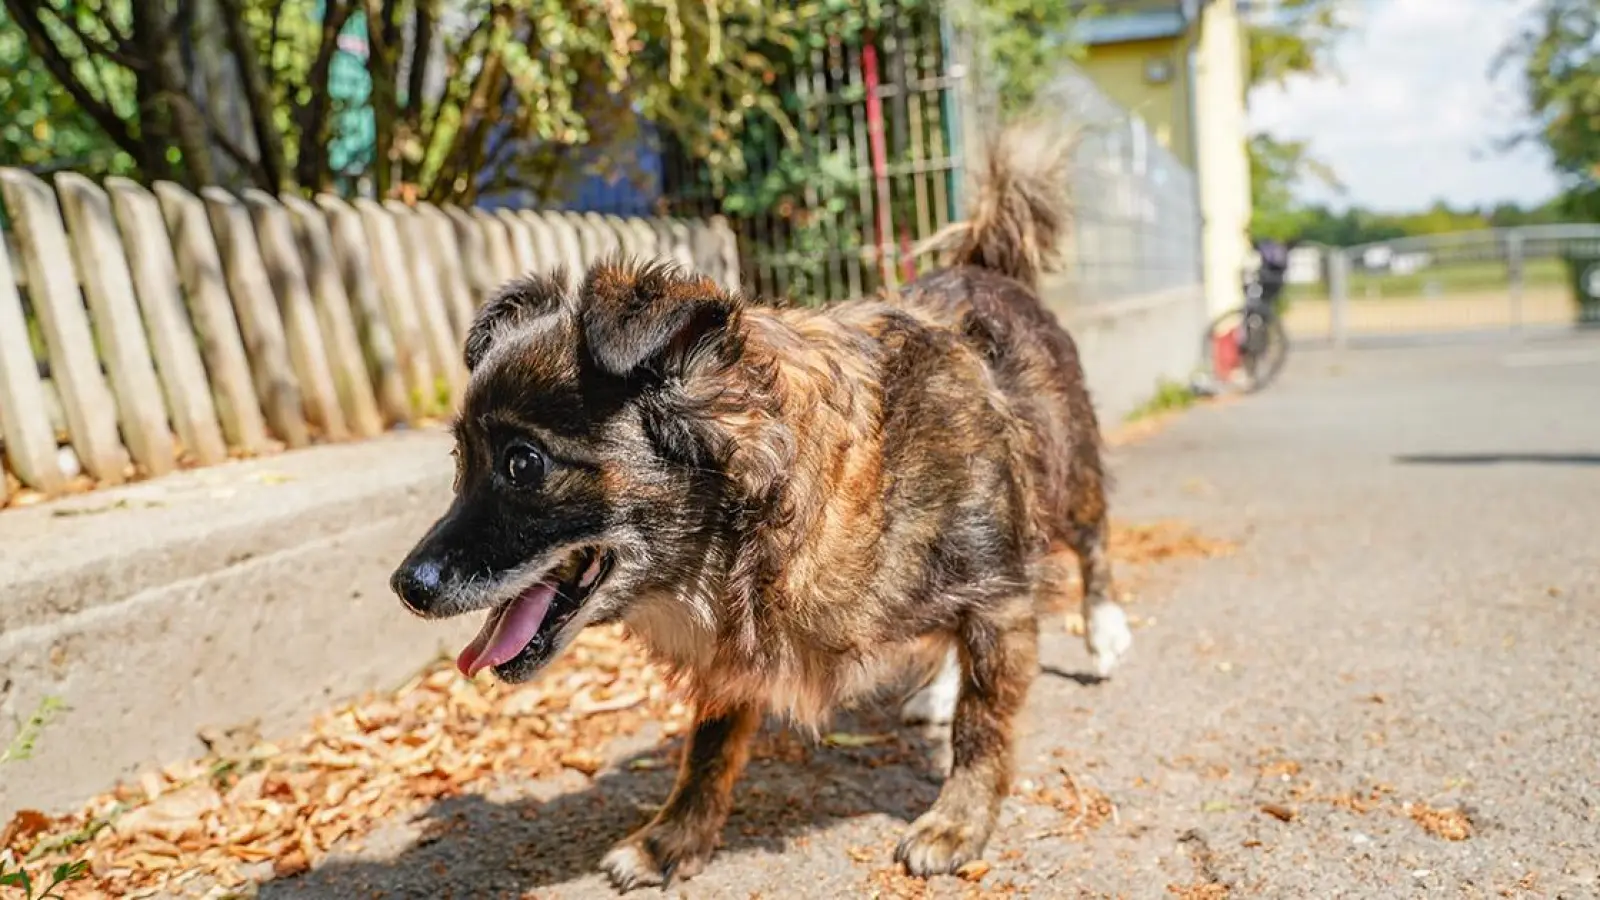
(1136,215)
(1527,279)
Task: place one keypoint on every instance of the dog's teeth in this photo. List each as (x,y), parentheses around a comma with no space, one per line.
(591,573)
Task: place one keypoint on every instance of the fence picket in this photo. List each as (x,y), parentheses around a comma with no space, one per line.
(473,240)
(418,242)
(86,399)
(307,350)
(266,345)
(448,260)
(405,322)
(25,429)
(108,289)
(354,257)
(606,243)
(569,249)
(546,257)
(498,240)
(211,311)
(522,250)
(172,336)
(345,360)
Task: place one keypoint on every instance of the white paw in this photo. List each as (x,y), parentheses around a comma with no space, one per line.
(628,867)
(936,703)
(1108,637)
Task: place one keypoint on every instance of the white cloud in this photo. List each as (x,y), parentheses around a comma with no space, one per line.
(1412,116)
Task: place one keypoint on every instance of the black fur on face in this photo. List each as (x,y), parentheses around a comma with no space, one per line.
(578,464)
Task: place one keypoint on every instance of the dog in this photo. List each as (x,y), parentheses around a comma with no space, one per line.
(790,508)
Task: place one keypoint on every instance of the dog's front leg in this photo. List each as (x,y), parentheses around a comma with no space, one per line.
(999,654)
(680,839)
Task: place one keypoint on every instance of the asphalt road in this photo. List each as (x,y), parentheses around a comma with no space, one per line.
(1408,638)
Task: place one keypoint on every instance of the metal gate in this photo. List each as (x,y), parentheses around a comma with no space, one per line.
(1526,280)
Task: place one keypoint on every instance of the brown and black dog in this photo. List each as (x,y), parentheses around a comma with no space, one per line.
(790,508)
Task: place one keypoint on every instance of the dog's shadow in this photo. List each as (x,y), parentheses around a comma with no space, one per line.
(471,845)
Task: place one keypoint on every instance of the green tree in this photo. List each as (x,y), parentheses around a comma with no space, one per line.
(1283,40)
(464,96)
(41,128)
(1556,57)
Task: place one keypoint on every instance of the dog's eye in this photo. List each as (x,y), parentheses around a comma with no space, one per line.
(523,465)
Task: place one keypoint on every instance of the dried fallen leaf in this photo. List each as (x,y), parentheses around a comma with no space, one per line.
(1206,891)
(24,827)
(1449,824)
(172,815)
(975,870)
(586,761)
(1278,811)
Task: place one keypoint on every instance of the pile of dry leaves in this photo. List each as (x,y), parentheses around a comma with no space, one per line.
(277,809)
(263,810)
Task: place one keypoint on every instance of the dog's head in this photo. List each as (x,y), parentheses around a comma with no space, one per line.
(589,475)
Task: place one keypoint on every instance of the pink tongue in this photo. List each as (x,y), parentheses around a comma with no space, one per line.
(507,632)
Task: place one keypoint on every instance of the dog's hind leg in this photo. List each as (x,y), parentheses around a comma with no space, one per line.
(935,702)
(1105,625)
(681,838)
(999,650)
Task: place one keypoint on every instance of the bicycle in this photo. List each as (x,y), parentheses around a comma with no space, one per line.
(1246,348)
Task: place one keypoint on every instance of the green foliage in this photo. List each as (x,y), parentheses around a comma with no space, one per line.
(60,876)
(1291,37)
(21,747)
(1358,226)
(41,127)
(1276,167)
(23,742)
(1556,57)
(1288,38)
(1170,396)
(1023,42)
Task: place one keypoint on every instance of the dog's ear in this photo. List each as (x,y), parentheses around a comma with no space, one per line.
(650,316)
(519,299)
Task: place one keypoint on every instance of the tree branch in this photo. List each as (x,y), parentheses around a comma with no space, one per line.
(272,39)
(269,143)
(24,13)
(92,44)
(312,162)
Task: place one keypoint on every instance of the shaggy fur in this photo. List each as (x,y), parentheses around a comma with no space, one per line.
(790,508)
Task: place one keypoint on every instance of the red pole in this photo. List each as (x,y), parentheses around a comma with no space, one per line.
(880,163)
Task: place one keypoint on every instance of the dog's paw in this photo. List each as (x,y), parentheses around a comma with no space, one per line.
(654,856)
(939,844)
(1108,636)
(936,703)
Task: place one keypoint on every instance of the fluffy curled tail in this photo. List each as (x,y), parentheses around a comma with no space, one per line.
(1020,207)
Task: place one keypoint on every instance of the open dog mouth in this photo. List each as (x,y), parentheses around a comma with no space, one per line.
(526,625)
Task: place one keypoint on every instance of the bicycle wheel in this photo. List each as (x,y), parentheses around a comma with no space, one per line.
(1269,349)
(1244,350)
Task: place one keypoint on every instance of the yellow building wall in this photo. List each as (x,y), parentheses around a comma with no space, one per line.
(1119,70)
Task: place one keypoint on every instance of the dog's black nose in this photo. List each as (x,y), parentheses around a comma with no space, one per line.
(418,584)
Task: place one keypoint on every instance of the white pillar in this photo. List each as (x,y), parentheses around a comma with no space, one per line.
(1223,165)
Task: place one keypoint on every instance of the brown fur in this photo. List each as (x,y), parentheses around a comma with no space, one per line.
(795,506)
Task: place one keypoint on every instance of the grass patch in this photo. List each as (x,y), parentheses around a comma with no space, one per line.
(12,874)
(1170,396)
(1441,280)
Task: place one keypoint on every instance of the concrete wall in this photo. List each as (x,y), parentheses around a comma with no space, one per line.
(1130,346)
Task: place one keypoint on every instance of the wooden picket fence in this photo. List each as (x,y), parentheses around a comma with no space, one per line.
(142,331)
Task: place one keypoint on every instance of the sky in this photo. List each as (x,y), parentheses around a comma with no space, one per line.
(1411,116)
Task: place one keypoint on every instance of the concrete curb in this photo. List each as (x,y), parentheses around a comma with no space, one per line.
(247,593)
